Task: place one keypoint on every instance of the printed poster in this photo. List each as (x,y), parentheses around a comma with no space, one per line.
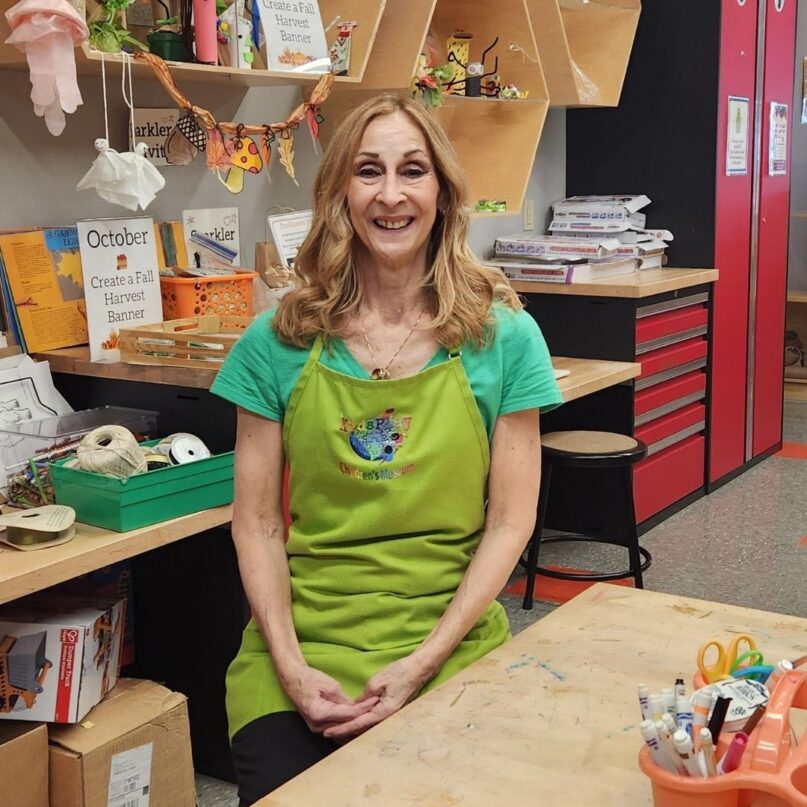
(737,140)
(121,281)
(43,274)
(295,38)
(212,237)
(777,141)
(288,232)
(152,127)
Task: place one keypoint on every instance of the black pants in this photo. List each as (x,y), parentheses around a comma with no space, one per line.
(273,749)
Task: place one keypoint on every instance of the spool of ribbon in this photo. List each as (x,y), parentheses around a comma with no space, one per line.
(38,527)
(111,450)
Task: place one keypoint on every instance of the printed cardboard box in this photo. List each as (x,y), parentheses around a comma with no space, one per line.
(23,765)
(133,750)
(59,656)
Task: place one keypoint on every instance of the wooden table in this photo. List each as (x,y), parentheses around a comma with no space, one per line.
(587,376)
(94,548)
(549,718)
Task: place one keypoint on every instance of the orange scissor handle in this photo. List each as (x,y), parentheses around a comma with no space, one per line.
(716,669)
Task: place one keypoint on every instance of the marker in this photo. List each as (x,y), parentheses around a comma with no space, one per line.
(731,759)
(682,743)
(653,744)
(751,724)
(656,706)
(669,722)
(701,704)
(668,701)
(784,666)
(718,717)
(680,688)
(666,742)
(683,714)
(708,751)
(644,703)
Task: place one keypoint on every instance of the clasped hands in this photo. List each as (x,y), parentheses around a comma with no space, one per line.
(327,709)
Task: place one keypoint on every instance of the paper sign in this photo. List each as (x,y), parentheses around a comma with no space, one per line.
(777,141)
(288,232)
(212,237)
(121,282)
(130,777)
(737,139)
(152,127)
(295,38)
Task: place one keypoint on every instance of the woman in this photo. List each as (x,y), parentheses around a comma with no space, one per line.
(401,384)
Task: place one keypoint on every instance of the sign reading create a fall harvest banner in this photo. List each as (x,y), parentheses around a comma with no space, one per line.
(295,38)
(121,281)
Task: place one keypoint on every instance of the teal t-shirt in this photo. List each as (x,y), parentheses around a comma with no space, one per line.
(512,373)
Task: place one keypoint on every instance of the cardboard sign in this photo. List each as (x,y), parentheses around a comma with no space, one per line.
(152,127)
(121,281)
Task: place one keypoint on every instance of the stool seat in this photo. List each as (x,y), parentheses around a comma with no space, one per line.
(597,451)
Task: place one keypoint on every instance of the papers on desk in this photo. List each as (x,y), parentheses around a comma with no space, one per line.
(560,373)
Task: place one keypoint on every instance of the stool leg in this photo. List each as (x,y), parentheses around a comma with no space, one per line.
(535,541)
(633,535)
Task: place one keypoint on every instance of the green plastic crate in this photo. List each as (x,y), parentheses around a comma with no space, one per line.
(126,504)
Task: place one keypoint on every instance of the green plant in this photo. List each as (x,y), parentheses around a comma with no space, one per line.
(106,31)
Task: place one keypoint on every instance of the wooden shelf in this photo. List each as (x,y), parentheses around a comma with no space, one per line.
(585,48)
(637,285)
(367,12)
(76,361)
(23,573)
(797,296)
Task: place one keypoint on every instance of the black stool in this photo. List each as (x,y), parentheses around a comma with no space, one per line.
(594,450)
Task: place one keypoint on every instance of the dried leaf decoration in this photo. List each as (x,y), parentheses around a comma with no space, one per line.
(267,138)
(286,149)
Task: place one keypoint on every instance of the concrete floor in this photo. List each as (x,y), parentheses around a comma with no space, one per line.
(740,545)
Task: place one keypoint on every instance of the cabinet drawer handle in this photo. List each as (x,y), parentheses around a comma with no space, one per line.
(667,408)
(672,439)
(671,305)
(663,341)
(666,375)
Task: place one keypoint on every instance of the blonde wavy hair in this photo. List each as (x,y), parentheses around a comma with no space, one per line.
(460,290)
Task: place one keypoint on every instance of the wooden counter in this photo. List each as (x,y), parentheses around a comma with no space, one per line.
(639,284)
(587,375)
(549,718)
(93,548)
(592,375)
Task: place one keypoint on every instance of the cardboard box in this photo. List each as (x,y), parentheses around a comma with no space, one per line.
(133,750)
(23,765)
(59,654)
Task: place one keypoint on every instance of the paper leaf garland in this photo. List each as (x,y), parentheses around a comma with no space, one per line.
(217,157)
(286,150)
(266,152)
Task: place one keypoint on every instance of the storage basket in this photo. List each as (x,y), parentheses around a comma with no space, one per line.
(202,342)
(126,504)
(228,295)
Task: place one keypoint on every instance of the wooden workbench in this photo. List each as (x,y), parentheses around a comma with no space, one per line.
(94,548)
(549,718)
(646,283)
(587,375)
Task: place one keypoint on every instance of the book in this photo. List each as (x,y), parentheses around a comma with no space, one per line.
(560,272)
(43,288)
(553,246)
(212,237)
(121,280)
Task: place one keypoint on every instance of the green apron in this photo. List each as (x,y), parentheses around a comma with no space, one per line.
(388,482)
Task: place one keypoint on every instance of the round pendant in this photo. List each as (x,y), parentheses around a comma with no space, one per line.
(380,374)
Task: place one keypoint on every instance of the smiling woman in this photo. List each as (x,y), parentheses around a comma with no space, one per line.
(401,384)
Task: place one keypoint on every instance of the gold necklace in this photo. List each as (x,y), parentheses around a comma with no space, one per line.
(382,373)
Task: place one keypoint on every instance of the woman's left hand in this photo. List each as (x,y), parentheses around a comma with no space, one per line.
(395,686)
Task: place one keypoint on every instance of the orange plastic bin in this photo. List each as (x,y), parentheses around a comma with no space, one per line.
(227,295)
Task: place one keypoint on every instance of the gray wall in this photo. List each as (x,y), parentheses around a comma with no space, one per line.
(797,258)
(39,172)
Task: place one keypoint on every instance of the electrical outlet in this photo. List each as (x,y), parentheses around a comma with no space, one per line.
(529,214)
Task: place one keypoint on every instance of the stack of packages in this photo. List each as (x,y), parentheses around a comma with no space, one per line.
(591,238)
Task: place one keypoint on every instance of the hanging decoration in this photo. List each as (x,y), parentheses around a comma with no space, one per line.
(231,151)
(47,31)
(127,179)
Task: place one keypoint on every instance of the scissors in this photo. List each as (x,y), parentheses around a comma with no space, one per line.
(741,650)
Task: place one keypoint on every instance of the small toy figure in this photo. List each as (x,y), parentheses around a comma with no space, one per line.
(340,50)
(234,30)
(513,93)
(471,83)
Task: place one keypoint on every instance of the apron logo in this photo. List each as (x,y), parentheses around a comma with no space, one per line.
(376,439)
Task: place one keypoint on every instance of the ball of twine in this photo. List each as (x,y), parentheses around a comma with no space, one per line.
(111,450)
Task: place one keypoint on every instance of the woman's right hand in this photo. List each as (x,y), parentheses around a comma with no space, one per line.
(320,699)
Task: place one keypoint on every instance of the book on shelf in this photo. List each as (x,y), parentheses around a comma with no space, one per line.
(43,291)
(563,272)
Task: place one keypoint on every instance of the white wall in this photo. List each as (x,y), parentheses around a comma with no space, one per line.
(797,258)
(39,172)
